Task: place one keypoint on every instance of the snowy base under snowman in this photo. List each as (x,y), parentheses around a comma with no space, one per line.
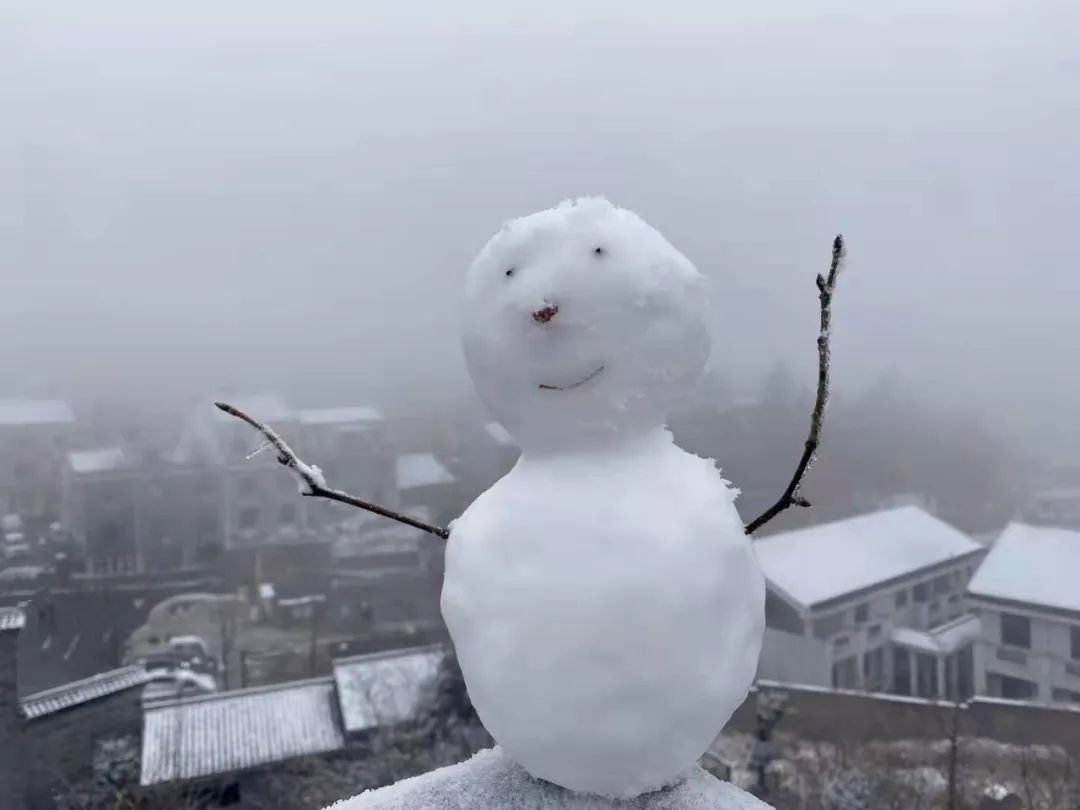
(493,781)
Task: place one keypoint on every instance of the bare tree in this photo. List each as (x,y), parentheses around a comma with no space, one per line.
(826,286)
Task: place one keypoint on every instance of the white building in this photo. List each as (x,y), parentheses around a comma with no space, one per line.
(1028,600)
(884,591)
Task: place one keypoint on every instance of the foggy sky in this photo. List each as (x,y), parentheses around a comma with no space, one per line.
(286,195)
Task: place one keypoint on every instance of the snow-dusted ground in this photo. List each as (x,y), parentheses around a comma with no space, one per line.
(490,780)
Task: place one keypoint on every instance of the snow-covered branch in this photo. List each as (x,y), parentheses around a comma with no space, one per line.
(791,496)
(312,481)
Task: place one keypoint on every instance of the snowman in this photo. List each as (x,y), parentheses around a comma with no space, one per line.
(603,597)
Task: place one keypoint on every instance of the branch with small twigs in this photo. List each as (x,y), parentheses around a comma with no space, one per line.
(791,497)
(312,481)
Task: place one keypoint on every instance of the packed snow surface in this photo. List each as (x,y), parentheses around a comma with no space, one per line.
(1035,565)
(626,340)
(492,781)
(605,603)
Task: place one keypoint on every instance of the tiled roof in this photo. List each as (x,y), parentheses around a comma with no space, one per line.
(78,692)
(234,731)
(384,688)
(11,618)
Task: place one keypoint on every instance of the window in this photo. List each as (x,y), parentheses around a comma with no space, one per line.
(1065,696)
(1012,688)
(249,518)
(942,584)
(901,598)
(288,514)
(1074,642)
(862,612)
(920,593)
(1015,631)
(840,642)
(845,673)
(828,626)
(873,631)
(245,485)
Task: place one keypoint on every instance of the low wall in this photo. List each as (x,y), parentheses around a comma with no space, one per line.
(848,718)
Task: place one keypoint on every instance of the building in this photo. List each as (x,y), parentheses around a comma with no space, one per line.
(68,728)
(1028,602)
(12,764)
(131,508)
(885,592)
(34,437)
(212,740)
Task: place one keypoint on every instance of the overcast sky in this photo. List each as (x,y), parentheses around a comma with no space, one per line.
(256,194)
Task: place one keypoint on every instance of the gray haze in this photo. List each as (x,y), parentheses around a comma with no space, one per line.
(285,195)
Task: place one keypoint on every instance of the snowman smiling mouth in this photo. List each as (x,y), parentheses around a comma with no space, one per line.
(571,386)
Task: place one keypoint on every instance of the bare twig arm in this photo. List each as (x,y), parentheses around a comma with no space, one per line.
(791,496)
(312,482)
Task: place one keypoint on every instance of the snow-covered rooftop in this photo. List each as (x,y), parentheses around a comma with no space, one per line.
(339,416)
(233,731)
(384,688)
(11,618)
(83,691)
(823,562)
(105,459)
(18,412)
(500,434)
(421,470)
(1032,564)
(491,780)
(943,639)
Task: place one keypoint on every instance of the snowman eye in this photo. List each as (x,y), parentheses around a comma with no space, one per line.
(599,251)
(510,271)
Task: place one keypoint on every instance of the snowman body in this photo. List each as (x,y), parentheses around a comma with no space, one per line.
(604,601)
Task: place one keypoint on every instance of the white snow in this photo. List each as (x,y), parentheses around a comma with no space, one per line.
(106,459)
(499,434)
(630,315)
(421,470)
(339,416)
(1032,564)
(21,412)
(944,639)
(302,472)
(383,688)
(822,562)
(492,781)
(605,603)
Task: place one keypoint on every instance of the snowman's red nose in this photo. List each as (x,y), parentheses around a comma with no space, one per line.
(545,313)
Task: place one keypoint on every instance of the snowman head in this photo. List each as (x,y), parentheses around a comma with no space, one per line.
(582,325)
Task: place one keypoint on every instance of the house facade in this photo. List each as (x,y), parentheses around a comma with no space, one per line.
(1028,604)
(884,591)
(131,509)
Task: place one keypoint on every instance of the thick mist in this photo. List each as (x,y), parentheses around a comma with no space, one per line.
(287,195)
